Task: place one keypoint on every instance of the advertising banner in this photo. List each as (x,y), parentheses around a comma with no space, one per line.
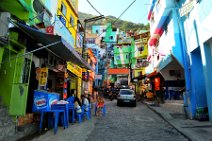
(74,69)
(41,76)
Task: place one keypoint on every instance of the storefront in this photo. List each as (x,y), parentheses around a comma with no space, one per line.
(74,78)
(48,75)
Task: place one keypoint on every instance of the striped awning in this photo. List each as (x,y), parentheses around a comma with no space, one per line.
(152,3)
(154,39)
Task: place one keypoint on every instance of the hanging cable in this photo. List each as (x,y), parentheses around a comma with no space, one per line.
(93,7)
(115,20)
(124,11)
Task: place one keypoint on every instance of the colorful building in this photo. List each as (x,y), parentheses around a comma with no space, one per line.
(184,24)
(141,53)
(35,56)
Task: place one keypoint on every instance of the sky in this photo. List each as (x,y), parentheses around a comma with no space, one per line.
(137,13)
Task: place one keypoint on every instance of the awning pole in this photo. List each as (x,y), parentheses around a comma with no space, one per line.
(44,47)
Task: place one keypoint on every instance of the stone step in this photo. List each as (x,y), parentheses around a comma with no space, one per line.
(6,131)
(173,107)
(3,111)
(4,121)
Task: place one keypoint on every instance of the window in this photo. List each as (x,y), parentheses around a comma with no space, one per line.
(72,21)
(118,58)
(166,29)
(63,9)
(126,92)
(127,56)
(175,73)
(111,37)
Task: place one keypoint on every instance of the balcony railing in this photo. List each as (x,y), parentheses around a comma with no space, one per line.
(61,30)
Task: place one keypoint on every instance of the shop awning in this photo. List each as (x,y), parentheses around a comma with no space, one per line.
(62,49)
(170,66)
(152,3)
(154,73)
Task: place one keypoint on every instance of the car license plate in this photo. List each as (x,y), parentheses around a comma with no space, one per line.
(126,101)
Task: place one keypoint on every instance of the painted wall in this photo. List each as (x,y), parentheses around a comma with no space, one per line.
(208,75)
(198,81)
(69,14)
(15,8)
(6,76)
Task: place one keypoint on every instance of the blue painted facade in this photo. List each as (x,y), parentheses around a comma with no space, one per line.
(172,38)
(192,48)
(197,31)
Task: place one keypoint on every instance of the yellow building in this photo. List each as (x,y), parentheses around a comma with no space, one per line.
(68,9)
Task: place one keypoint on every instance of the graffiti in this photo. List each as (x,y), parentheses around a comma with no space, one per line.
(21,89)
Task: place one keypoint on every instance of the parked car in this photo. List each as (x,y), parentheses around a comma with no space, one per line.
(126,96)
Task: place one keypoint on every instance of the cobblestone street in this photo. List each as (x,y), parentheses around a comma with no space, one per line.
(120,124)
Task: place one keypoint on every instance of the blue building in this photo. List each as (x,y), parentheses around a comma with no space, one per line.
(196,19)
(179,49)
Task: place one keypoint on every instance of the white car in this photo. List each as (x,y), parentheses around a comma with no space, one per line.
(126,96)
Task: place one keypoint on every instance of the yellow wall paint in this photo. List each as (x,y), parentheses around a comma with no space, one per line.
(69,13)
(142,69)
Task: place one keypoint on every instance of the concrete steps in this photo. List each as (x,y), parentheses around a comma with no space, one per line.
(173,106)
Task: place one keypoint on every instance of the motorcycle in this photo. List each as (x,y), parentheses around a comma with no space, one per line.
(112,95)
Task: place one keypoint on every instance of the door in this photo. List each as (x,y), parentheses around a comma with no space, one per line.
(20,86)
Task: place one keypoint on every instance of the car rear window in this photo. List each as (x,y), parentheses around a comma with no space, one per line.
(126,92)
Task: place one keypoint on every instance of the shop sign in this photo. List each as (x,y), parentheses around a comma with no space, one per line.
(41,76)
(74,69)
(98,77)
(186,9)
(50,29)
(85,75)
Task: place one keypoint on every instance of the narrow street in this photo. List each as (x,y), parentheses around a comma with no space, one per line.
(119,124)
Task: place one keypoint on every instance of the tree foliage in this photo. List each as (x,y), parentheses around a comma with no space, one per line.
(121,24)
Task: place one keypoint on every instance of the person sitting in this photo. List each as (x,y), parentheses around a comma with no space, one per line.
(100,105)
(85,102)
(77,105)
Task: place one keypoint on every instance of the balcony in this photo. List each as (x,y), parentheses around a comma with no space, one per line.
(61,30)
(161,11)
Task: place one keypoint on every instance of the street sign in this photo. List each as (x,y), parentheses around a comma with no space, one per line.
(186,8)
(98,76)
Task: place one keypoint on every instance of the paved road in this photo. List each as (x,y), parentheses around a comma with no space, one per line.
(120,124)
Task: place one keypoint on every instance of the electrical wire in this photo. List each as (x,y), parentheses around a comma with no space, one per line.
(115,20)
(94,7)
(124,11)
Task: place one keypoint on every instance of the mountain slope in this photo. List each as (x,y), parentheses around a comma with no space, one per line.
(121,24)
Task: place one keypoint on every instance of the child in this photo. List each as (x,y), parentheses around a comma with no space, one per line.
(100,105)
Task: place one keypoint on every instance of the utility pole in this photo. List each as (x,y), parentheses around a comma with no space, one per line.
(85,24)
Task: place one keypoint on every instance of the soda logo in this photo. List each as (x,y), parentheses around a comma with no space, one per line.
(54,101)
(40,102)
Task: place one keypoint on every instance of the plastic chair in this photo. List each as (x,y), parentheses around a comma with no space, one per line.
(62,107)
(71,99)
(79,116)
(56,119)
(88,112)
(71,109)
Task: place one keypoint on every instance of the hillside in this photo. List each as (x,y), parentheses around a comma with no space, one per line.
(121,24)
